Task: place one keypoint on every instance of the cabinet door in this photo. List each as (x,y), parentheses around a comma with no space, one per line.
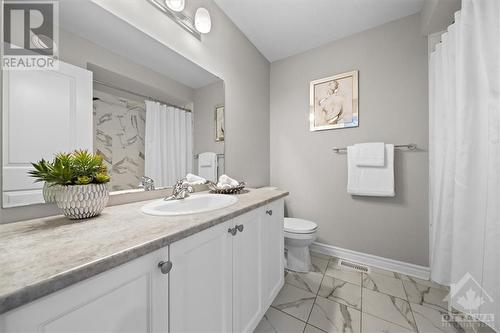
(39,106)
(247,272)
(132,297)
(201,282)
(273,251)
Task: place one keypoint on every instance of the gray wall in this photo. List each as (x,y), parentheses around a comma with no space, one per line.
(437,15)
(392,64)
(205,101)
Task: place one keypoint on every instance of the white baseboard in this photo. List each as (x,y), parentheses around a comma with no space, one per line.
(421,272)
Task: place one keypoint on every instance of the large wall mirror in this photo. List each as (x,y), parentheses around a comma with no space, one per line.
(117,92)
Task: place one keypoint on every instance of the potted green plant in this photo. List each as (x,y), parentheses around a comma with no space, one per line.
(41,173)
(76,182)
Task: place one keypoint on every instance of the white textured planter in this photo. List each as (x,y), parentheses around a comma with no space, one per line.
(49,192)
(82,201)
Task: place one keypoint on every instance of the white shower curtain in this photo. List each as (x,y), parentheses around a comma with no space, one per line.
(464,120)
(169,143)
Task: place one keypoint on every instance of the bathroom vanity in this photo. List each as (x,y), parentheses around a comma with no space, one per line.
(153,117)
(216,271)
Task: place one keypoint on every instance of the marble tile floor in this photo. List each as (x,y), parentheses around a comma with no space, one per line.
(335,299)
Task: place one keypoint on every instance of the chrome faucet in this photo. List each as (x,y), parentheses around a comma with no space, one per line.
(147,183)
(181,190)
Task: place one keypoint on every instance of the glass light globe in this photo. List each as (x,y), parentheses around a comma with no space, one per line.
(202,21)
(176,5)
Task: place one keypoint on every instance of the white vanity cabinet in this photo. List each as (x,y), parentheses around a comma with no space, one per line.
(201,282)
(247,271)
(273,243)
(224,279)
(132,297)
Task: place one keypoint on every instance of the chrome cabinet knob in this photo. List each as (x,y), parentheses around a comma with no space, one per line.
(269,212)
(165,266)
(240,227)
(232,231)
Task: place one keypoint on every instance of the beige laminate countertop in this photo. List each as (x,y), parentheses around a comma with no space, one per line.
(41,256)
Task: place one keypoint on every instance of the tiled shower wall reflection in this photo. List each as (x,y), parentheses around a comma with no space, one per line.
(119,126)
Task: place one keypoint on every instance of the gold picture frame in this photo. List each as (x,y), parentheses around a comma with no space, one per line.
(333,102)
(219,123)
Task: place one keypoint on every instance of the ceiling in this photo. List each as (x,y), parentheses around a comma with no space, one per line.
(87,20)
(281,28)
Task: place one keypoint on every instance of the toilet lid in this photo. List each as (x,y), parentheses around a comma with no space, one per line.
(299,226)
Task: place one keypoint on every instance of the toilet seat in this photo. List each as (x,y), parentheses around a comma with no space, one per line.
(299,235)
(299,226)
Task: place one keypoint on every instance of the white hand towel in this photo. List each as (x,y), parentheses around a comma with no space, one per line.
(194,179)
(227,182)
(371,181)
(207,166)
(370,154)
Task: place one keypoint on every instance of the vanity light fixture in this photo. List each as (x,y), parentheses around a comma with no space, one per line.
(202,21)
(176,5)
(180,18)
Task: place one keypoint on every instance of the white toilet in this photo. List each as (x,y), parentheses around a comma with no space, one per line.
(299,234)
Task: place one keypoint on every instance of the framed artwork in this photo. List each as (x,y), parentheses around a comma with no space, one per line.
(219,123)
(333,102)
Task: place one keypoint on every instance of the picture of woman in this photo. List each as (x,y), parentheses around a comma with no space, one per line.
(334,102)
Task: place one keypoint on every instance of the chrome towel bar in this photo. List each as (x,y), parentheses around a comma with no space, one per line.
(410,146)
(218,155)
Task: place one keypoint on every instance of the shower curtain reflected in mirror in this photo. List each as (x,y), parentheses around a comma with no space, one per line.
(169,143)
(119,138)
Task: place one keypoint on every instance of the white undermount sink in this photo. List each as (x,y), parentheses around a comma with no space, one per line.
(196,203)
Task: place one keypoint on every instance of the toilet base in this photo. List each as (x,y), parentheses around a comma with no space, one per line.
(298,259)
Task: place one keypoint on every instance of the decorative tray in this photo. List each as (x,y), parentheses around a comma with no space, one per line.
(227,190)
